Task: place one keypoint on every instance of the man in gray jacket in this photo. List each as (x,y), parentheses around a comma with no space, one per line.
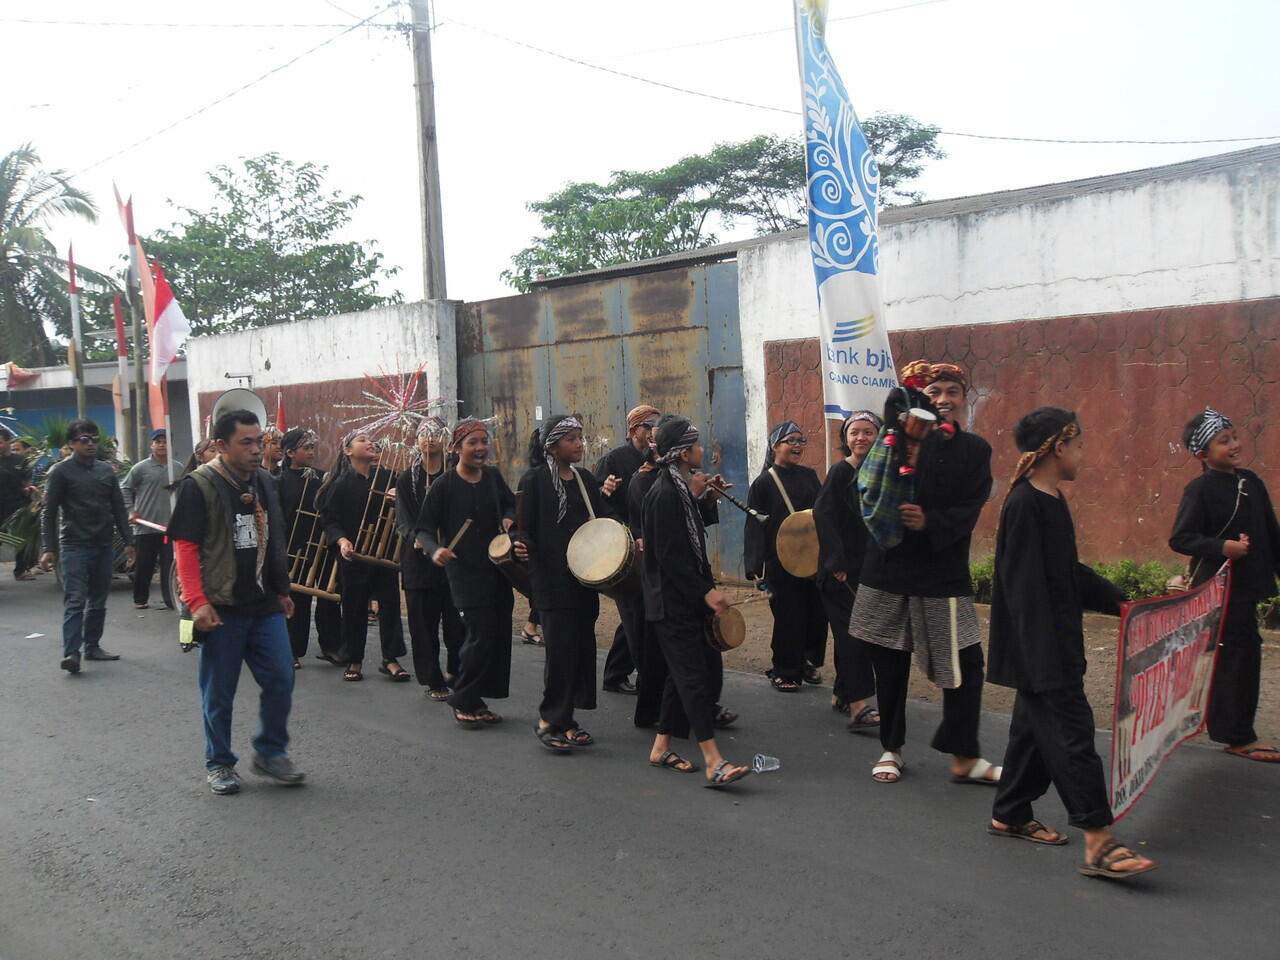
(84,489)
(146,497)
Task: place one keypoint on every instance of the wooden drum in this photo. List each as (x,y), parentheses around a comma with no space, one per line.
(726,630)
(797,545)
(602,555)
(919,423)
(502,554)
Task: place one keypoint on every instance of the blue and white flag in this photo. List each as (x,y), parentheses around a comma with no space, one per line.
(842,180)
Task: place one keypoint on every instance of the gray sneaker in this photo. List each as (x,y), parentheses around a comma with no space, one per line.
(280,769)
(224,780)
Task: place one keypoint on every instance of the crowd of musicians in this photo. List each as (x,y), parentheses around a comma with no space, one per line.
(892,520)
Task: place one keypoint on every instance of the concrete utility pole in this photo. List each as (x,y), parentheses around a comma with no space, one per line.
(433,287)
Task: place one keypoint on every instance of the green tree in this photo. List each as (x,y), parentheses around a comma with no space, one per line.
(265,252)
(650,213)
(33,286)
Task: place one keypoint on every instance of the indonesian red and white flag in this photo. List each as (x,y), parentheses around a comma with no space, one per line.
(170,330)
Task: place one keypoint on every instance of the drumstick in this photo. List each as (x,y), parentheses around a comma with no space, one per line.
(466,525)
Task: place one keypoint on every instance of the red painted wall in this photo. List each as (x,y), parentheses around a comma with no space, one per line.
(1134,379)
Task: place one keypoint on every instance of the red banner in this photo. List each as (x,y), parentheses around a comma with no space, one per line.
(1164,665)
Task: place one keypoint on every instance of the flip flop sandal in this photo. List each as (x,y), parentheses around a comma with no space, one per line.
(840,706)
(1248,754)
(784,686)
(1101,865)
(719,779)
(352,675)
(724,719)
(1028,831)
(889,762)
(297,665)
(580,738)
(400,676)
(533,639)
(813,676)
(672,761)
(465,720)
(978,774)
(438,693)
(329,658)
(863,720)
(488,716)
(552,739)
(142,606)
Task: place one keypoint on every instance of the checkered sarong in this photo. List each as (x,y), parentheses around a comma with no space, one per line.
(933,629)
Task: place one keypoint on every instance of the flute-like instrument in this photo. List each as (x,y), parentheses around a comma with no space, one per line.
(749,511)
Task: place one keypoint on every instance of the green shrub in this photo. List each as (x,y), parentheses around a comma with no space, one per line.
(1138,581)
(982,573)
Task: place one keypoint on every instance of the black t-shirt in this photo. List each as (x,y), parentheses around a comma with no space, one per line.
(188,523)
(14,477)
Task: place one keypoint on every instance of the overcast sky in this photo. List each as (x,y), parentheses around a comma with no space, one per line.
(514,124)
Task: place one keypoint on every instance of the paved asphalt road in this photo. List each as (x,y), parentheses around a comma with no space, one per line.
(414,838)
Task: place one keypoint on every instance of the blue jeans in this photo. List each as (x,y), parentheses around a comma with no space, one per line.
(86,580)
(263,644)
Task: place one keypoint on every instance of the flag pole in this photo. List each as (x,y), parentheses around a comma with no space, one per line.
(75,352)
(122,378)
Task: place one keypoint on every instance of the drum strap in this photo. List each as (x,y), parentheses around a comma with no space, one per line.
(782,490)
(582,488)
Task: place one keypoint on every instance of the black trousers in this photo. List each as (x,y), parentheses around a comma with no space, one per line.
(358,588)
(1233,697)
(429,610)
(484,662)
(150,549)
(799,624)
(569,676)
(328,625)
(961,708)
(1051,741)
(855,679)
(621,659)
(694,679)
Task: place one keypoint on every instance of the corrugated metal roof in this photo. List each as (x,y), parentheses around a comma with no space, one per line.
(940,209)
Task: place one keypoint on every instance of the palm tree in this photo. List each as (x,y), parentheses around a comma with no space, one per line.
(33,290)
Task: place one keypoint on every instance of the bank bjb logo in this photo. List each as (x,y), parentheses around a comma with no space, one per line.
(846,330)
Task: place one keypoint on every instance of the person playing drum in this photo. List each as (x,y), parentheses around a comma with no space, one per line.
(783,487)
(680,595)
(916,597)
(556,498)
(473,494)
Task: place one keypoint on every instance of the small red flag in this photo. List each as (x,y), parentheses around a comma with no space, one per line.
(122,349)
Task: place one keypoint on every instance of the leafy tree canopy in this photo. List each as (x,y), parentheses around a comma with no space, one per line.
(650,213)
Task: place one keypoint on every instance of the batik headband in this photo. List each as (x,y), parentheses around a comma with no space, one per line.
(670,459)
(866,415)
(678,446)
(784,429)
(918,374)
(1212,425)
(1028,460)
(552,433)
(465,429)
(296,438)
(559,430)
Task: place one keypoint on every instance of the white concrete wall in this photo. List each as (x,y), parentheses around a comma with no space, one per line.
(388,339)
(1211,237)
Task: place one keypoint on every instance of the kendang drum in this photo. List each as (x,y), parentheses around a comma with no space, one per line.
(796,544)
(602,555)
(727,630)
(502,554)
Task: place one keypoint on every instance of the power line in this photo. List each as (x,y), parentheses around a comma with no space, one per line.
(240,89)
(200,26)
(796,113)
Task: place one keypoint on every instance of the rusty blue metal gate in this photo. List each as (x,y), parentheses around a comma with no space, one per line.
(599,347)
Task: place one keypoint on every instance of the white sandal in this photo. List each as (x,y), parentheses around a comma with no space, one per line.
(889,762)
(978,773)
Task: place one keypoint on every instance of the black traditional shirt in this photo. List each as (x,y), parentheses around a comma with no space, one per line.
(1218,506)
(676,578)
(547,538)
(760,541)
(474,581)
(842,536)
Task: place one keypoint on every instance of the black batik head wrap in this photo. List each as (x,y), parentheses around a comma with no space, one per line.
(430,426)
(674,437)
(553,431)
(1212,424)
(784,429)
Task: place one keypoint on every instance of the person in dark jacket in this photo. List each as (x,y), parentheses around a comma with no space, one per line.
(298,483)
(83,490)
(622,462)
(680,596)
(1039,594)
(916,598)
(842,541)
(556,498)
(1226,514)
(426,586)
(344,498)
(783,487)
(471,504)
